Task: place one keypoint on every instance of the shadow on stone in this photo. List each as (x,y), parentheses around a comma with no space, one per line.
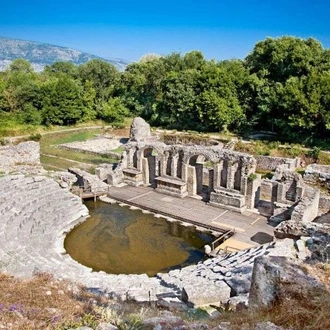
(262,238)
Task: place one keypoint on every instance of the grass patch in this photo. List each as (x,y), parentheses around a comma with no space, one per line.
(118,150)
(44,303)
(56,163)
(53,156)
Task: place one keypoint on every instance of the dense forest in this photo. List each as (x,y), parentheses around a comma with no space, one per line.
(283,86)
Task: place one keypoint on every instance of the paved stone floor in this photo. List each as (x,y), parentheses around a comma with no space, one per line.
(251,229)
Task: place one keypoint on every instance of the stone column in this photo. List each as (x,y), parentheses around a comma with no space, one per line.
(230,176)
(130,154)
(244,180)
(211,180)
(217,175)
(184,174)
(199,178)
(174,165)
(145,171)
(191,181)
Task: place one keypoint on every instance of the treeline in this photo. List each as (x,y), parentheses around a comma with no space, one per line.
(283,85)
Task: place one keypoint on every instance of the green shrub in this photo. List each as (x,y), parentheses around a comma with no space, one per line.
(314,153)
(35,137)
(3,141)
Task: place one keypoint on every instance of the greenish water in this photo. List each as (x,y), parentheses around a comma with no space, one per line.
(118,240)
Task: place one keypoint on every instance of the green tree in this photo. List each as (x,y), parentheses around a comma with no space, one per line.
(20,65)
(62,101)
(178,106)
(219,113)
(103,76)
(114,112)
(59,68)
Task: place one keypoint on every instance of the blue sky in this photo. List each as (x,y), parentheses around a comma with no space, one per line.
(221,29)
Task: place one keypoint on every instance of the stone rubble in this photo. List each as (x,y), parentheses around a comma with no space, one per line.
(274,278)
(89,182)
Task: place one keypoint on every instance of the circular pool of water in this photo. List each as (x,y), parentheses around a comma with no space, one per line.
(118,240)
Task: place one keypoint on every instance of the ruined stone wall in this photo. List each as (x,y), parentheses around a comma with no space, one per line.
(270,163)
(171,139)
(316,172)
(24,153)
(307,208)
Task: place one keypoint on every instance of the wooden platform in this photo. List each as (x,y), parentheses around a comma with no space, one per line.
(193,210)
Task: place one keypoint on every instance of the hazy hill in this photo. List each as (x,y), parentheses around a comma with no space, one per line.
(41,54)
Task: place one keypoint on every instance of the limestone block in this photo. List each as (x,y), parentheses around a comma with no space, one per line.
(240,280)
(274,278)
(201,292)
(140,130)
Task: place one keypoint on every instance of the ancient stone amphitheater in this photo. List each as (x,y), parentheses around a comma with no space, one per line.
(36,213)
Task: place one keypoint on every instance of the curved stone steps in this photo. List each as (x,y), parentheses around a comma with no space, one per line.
(35,214)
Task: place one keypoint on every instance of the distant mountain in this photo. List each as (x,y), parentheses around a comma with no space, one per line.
(40,54)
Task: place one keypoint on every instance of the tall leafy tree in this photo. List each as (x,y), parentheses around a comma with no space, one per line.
(62,101)
(104,77)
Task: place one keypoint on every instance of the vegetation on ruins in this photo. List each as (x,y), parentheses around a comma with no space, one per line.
(46,303)
(282,86)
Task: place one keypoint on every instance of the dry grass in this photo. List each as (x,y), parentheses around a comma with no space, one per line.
(42,303)
(45,303)
(296,310)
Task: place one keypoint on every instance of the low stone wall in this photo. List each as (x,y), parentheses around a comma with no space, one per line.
(270,163)
(315,172)
(24,153)
(190,140)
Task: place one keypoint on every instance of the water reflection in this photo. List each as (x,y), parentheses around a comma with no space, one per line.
(118,240)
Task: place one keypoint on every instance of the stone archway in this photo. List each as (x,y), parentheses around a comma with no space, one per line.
(150,166)
(200,175)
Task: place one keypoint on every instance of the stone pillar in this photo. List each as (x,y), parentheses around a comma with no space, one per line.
(145,171)
(252,192)
(130,154)
(191,181)
(164,161)
(152,165)
(217,175)
(244,181)
(174,165)
(184,172)
(162,165)
(211,180)
(230,176)
(199,178)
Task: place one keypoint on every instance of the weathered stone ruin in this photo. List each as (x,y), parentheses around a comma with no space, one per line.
(89,183)
(36,213)
(219,176)
(286,196)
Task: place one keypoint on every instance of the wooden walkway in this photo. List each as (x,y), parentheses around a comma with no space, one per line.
(193,210)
